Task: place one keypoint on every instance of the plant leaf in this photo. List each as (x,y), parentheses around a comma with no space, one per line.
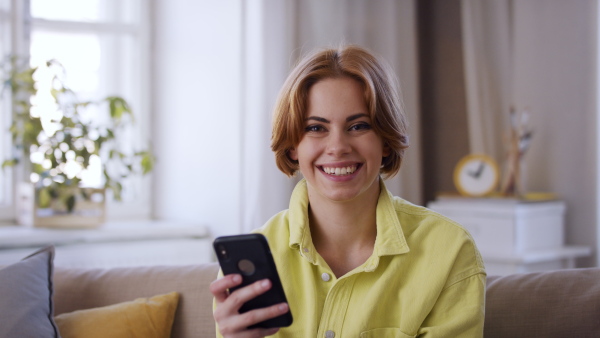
(147,162)
(10,163)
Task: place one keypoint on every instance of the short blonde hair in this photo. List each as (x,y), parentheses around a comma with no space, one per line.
(381,92)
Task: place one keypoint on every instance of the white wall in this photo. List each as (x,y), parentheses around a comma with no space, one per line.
(196,134)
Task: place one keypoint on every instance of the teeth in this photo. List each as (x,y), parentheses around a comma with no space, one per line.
(340,171)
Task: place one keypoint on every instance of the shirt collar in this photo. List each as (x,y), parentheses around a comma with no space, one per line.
(390,238)
(300,237)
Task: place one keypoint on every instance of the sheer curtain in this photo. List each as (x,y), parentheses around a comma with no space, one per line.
(267,46)
(276,33)
(488,65)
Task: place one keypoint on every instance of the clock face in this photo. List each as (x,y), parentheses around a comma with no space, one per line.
(476,175)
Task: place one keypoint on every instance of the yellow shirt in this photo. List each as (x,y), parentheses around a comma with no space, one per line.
(425,277)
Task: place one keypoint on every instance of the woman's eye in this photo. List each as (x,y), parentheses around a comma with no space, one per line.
(361,126)
(313,128)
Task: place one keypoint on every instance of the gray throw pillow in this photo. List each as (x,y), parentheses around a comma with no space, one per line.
(26,308)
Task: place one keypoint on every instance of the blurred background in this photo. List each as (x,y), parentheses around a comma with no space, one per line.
(202,78)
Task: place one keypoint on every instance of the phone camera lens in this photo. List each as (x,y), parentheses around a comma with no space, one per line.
(222,251)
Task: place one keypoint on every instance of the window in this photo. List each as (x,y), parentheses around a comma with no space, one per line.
(102,45)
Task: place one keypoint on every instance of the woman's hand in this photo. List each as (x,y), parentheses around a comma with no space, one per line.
(233,324)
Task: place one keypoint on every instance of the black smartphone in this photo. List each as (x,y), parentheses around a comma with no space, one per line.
(249,255)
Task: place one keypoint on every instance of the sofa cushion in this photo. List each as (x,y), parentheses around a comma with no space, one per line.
(89,288)
(143,317)
(26,308)
(562,303)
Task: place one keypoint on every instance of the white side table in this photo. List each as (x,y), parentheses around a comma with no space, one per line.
(115,244)
(514,236)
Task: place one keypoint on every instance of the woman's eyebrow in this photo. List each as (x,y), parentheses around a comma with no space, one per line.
(316,118)
(348,119)
(356,116)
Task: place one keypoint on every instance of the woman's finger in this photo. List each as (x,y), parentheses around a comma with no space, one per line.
(230,321)
(219,288)
(229,304)
(259,315)
(239,323)
(241,296)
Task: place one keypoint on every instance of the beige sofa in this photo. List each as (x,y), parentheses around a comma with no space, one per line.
(563,303)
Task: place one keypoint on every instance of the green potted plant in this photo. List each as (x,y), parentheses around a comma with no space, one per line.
(56,141)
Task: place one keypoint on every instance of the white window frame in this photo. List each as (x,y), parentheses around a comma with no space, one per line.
(12,28)
(21,25)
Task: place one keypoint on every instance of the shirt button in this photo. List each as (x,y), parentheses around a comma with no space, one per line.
(305,249)
(329,334)
(325,277)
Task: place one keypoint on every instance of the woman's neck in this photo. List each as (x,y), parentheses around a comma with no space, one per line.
(344,232)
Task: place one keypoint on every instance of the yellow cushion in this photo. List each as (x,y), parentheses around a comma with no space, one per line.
(143,317)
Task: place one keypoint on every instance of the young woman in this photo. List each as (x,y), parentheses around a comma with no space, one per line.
(354,260)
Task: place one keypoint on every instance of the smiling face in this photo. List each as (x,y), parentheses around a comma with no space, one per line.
(340,155)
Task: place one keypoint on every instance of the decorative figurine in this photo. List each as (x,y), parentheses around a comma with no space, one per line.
(519,140)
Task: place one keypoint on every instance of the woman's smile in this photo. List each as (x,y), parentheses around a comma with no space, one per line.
(337,171)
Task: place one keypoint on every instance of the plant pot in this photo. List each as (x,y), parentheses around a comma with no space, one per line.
(87,213)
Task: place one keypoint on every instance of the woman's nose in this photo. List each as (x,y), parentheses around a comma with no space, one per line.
(338,144)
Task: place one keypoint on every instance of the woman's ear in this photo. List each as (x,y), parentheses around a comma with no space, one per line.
(386,150)
(293,154)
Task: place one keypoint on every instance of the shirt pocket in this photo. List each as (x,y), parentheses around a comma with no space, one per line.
(385,333)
